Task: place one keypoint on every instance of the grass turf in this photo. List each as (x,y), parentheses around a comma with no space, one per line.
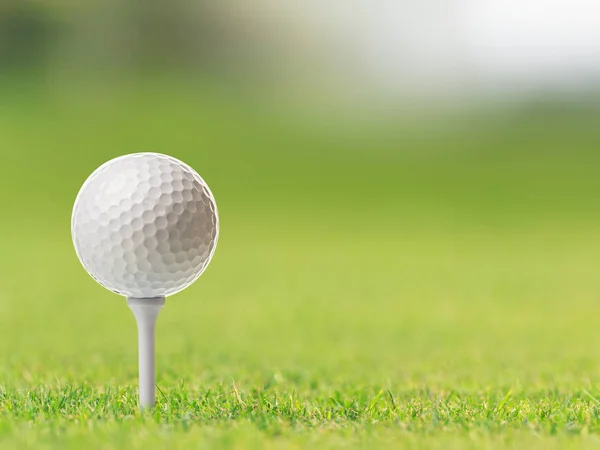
(359,296)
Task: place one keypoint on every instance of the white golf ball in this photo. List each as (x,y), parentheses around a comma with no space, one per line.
(145,225)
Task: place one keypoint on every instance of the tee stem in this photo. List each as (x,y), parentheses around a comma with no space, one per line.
(146,312)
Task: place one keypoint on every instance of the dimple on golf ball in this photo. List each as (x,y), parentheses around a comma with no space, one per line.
(145,225)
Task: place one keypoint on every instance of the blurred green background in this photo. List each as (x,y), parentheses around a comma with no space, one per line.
(426,250)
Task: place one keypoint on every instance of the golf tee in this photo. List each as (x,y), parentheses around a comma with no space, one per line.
(146,312)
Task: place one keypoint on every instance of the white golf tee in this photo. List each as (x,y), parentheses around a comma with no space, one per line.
(146,312)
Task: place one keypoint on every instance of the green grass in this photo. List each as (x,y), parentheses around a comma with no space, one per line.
(434,289)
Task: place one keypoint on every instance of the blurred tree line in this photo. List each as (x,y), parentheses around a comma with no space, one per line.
(26,32)
(118,34)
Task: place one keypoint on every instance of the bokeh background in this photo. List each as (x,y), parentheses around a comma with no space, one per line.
(408,190)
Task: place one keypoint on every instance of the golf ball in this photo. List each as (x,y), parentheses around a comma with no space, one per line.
(145,225)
